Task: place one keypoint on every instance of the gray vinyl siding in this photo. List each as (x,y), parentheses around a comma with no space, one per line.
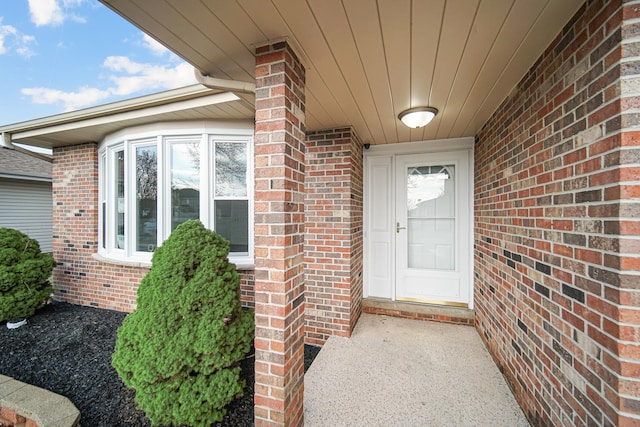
(27,206)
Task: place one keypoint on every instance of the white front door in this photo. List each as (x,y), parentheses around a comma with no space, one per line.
(431,229)
(418,229)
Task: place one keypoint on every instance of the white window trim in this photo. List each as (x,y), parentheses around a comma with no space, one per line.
(128,139)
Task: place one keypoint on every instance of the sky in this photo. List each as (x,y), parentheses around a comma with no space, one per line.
(64,55)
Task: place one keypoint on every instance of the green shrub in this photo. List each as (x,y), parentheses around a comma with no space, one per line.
(24,275)
(180,349)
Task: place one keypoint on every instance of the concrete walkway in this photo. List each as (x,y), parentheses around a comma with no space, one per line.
(397,372)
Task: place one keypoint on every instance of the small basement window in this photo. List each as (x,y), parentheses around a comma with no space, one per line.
(153,178)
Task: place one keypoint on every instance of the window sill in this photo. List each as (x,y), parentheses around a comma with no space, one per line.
(240,266)
(121,262)
(244,266)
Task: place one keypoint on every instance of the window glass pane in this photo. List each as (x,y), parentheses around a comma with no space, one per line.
(231,169)
(232,222)
(119,208)
(185,182)
(103,200)
(104,225)
(431,217)
(146,198)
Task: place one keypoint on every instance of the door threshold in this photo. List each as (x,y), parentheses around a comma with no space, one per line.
(411,310)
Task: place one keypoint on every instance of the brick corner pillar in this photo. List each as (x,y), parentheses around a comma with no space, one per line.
(279,236)
(334,233)
(621,268)
(75,220)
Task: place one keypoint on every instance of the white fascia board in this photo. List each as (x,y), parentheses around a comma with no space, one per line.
(107,109)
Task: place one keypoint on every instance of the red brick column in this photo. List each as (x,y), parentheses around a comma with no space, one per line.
(333,244)
(279,236)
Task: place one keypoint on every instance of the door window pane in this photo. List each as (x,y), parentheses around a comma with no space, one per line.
(431,217)
(231,169)
(185,182)
(146,198)
(232,222)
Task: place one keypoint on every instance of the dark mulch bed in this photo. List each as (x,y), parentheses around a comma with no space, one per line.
(67,349)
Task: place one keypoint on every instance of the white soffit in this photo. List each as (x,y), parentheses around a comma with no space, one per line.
(368,60)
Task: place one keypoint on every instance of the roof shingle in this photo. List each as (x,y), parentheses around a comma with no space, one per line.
(13,162)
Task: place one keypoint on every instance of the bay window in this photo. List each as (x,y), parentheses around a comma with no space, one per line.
(152,181)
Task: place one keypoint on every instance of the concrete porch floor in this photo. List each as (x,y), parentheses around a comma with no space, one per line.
(399,372)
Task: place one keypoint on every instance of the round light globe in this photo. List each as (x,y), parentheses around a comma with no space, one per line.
(417,117)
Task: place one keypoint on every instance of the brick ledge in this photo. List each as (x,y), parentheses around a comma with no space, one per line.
(45,408)
(409,310)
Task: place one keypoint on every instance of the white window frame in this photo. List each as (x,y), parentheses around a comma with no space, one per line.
(211,214)
(131,219)
(162,135)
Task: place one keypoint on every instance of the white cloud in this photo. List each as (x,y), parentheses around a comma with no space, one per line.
(122,63)
(45,12)
(72,3)
(24,47)
(6,31)
(72,100)
(154,46)
(51,12)
(77,19)
(127,78)
(12,40)
(135,77)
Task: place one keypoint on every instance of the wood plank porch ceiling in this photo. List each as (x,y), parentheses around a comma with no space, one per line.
(367,60)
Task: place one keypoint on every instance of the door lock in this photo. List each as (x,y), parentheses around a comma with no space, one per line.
(398,228)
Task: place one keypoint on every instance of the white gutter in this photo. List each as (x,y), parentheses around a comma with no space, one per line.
(223,84)
(137,103)
(6,142)
(24,177)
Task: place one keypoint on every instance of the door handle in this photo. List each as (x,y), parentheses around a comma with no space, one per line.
(398,228)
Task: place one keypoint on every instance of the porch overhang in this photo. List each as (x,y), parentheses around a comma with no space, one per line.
(366,61)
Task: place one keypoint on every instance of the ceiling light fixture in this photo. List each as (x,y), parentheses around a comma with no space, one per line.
(418,117)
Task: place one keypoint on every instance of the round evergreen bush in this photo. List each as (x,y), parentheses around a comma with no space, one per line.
(180,349)
(24,275)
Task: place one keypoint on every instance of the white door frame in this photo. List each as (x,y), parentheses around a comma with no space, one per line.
(385,154)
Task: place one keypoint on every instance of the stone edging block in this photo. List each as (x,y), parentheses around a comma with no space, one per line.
(46,408)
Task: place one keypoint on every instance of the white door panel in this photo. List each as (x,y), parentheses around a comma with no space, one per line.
(380,233)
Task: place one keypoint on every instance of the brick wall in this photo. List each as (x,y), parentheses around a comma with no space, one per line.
(556,228)
(78,277)
(333,239)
